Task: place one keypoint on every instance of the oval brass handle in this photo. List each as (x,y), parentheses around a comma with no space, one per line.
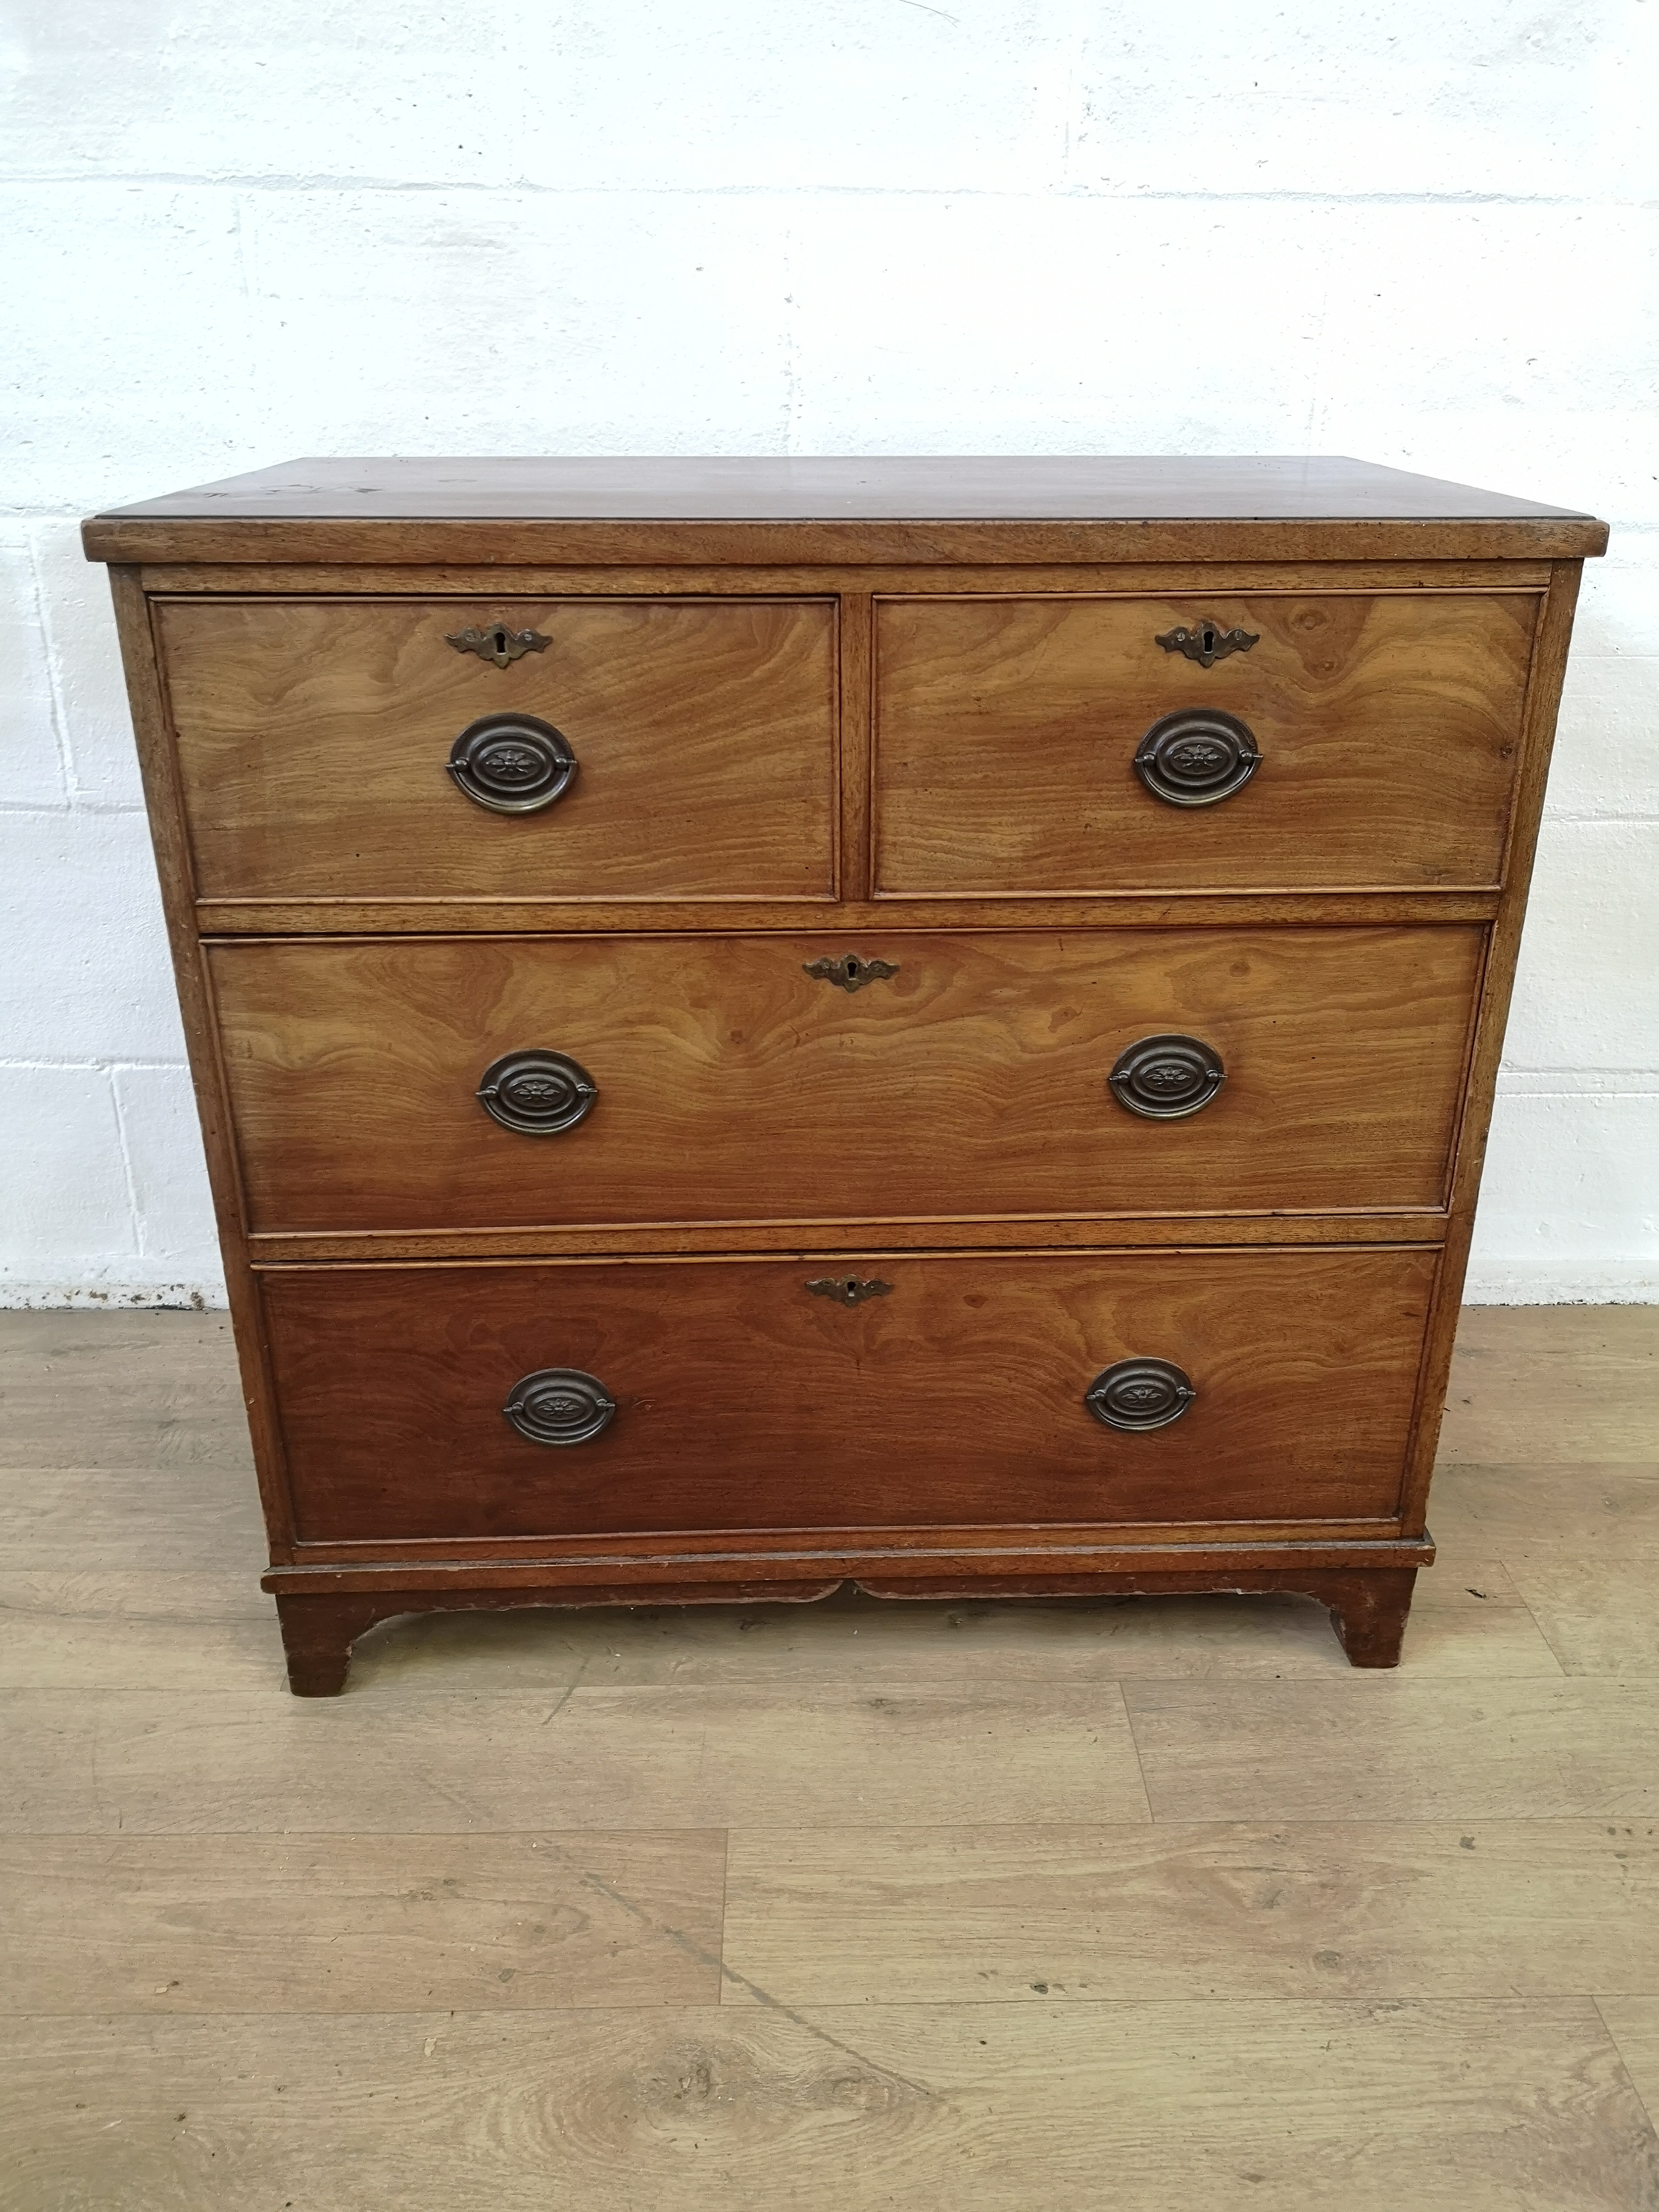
(1167,1077)
(1197,757)
(512,763)
(560,1406)
(1139,1394)
(540,1092)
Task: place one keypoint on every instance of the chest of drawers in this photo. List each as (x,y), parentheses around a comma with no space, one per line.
(760,1023)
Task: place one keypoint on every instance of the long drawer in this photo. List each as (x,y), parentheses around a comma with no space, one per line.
(353,749)
(1385,731)
(739,1078)
(954,1390)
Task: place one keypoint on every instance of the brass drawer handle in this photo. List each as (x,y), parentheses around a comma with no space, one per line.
(1206,642)
(848,1290)
(851,971)
(560,1406)
(538,1092)
(1139,1394)
(498,643)
(1165,1078)
(512,763)
(1197,757)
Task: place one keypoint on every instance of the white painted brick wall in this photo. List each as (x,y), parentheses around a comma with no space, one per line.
(1424,233)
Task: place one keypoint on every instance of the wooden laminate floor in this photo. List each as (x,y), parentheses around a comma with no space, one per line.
(1141,1903)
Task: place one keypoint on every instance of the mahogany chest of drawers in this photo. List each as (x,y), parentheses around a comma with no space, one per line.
(763,1023)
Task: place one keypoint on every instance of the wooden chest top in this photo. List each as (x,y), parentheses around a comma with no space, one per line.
(1005,508)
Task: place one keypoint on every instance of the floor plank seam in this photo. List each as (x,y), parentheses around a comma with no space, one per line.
(1642,2103)
(724,1974)
(1568,1674)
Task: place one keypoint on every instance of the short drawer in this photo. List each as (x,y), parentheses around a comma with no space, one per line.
(953,1391)
(316,742)
(738,1078)
(1385,731)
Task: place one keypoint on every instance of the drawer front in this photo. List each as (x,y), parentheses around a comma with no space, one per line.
(744,1400)
(1007,730)
(733,1082)
(315,742)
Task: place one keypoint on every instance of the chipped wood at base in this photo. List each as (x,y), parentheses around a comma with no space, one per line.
(1368,1606)
(1467,1621)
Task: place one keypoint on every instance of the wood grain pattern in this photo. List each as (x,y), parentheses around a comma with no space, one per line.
(857,647)
(1006,733)
(356,917)
(455,580)
(1633,2023)
(148,1626)
(1544,682)
(314,739)
(1008,508)
(970,1233)
(734,1084)
(1599,1363)
(359,1924)
(1446,2107)
(1598,1613)
(1394,1911)
(746,1403)
(204,1514)
(601,1759)
(1602,1510)
(494,545)
(1381,1747)
(173,1420)
(158,764)
(813,487)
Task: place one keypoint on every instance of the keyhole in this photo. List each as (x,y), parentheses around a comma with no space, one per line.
(852,966)
(501,642)
(1206,638)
